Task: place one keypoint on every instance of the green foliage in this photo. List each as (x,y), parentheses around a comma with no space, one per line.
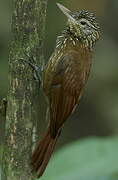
(89,159)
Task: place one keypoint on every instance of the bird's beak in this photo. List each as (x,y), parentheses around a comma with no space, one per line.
(67,12)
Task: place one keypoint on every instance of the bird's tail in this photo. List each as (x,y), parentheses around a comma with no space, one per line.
(43,152)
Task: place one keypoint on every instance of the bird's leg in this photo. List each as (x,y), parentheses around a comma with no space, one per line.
(36,68)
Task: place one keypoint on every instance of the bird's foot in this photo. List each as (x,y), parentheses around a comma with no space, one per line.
(36,68)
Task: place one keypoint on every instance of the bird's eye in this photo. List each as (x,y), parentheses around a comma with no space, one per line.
(83,23)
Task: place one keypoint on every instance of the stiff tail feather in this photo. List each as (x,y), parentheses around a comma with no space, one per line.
(42,153)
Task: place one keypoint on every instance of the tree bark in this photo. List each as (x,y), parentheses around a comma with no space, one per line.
(3,104)
(28,27)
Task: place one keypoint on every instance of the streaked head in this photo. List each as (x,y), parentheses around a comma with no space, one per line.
(82,24)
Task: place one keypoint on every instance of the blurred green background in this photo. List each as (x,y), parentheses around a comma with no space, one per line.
(97,114)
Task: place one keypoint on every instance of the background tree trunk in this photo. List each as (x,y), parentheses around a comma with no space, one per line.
(3,104)
(28,26)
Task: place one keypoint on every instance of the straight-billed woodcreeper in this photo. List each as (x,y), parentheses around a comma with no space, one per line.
(64,78)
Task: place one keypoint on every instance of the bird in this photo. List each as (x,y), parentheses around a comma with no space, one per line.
(64,78)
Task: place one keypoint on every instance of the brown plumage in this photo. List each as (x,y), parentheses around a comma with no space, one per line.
(64,78)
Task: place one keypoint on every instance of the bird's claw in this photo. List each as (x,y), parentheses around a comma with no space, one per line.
(36,68)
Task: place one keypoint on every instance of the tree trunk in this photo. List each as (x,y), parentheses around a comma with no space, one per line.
(28,26)
(3,104)
(2,119)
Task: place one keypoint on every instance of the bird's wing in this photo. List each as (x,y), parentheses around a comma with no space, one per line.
(65,91)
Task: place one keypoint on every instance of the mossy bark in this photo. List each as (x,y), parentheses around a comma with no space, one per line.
(28,27)
(2,130)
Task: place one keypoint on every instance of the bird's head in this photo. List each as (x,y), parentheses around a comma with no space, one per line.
(82,24)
